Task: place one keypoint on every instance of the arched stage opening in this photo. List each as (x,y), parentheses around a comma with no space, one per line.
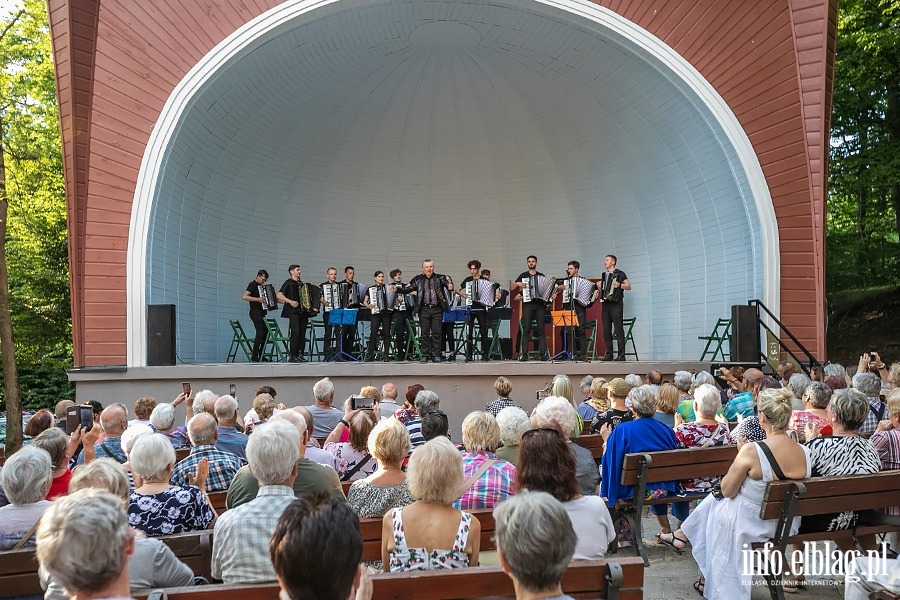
(376,134)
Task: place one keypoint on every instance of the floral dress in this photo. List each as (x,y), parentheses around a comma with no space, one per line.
(176,510)
(696,435)
(404,558)
(346,458)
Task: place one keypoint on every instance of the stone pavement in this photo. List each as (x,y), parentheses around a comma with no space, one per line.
(671,577)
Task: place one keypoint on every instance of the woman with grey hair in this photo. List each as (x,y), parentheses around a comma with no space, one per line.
(84,541)
(643,434)
(26,479)
(163,420)
(153,564)
(535,542)
(60,447)
(842,453)
(557,413)
(156,506)
(513,422)
(815,400)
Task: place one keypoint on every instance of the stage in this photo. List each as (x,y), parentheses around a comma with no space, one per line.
(462,387)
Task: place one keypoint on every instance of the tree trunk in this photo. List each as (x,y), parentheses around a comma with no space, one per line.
(7,342)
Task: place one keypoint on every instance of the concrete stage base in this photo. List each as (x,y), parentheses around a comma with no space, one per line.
(462,387)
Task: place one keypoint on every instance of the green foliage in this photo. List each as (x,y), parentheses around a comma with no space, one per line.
(36,244)
(43,386)
(862,223)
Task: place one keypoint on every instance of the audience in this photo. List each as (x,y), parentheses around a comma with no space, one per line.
(143,408)
(596,402)
(408,412)
(870,386)
(546,465)
(163,420)
(434,424)
(26,478)
(313,451)
(152,565)
(204,402)
(39,422)
(158,507)
(242,534)
(503,387)
(617,390)
(84,543)
(815,400)
(513,422)
(203,432)
(388,400)
(435,477)
(562,387)
(535,542)
(654,379)
(230,439)
(886,438)
(325,416)
(113,421)
(553,412)
(666,404)
(488,480)
(316,549)
(60,448)
(684,383)
(425,402)
(352,459)
(312,478)
(386,488)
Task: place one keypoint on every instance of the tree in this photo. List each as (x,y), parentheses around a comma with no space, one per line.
(34,305)
(864,174)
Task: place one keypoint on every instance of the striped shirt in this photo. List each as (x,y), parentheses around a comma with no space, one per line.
(494,485)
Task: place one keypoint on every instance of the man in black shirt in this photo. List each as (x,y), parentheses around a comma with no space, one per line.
(298,319)
(257,313)
(352,294)
(403,310)
(431,293)
(612,284)
(478,312)
(531,312)
(502,295)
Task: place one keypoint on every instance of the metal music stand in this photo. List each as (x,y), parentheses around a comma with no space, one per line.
(457,315)
(341,317)
(567,319)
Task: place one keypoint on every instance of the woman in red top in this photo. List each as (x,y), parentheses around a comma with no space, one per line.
(815,400)
(60,447)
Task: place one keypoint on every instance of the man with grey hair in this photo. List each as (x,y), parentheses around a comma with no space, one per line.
(798,383)
(84,542)
(311,477)
(325,416)
(426,401)
(388,404)
(114,421)
(26,479)
(240,552)
(222,465)
(230,439)
(535,542)
(204,401)
(870,385)
(163,420)
(313,451)
(654,379)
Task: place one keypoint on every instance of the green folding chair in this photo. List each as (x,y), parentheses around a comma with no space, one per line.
(629,325)
(720,334)
(239,340)
(496,316)
(412,338)
(277,347)
(590,332)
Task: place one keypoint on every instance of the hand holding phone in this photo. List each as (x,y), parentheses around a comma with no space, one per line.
(361,403)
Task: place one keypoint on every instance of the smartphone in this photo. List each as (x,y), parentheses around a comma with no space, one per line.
(871,355)
(232,391)
(361,402)
(186,387)
(79,416)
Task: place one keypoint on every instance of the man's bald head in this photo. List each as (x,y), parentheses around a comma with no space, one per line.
(114,419)
(307,416)
(389,391)
(203,429)
(753,376)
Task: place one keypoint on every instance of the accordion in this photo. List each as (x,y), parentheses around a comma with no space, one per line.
(537,287)
(310,298)
(331,296)
(608,293)
(480,291)
(578,289)
(269,299)
(382,297)
(352,294)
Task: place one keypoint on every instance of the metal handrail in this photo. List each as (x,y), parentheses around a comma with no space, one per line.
(811,360)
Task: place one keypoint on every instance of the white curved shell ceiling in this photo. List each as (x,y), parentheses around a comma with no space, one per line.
(376,134)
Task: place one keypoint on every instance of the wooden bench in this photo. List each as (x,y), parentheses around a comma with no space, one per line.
(667,465)
(785,500)
(593,442)
(621,579)
(194,549)
(217,500)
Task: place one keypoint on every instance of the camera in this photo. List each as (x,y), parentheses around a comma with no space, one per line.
(186,387)
(232,391)
(361,402)
(79,416)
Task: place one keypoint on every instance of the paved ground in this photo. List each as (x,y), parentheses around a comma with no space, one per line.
(671,577)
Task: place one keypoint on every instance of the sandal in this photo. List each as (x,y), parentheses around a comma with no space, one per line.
(699,585)
(672,542)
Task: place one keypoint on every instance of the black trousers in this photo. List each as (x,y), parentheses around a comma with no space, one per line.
(348,333)
(329,337)
(578,345)
(259,342)
(400,319)
(430,324)
(297,323)
(613,313)
(381,321)
(532,311)
(481,317)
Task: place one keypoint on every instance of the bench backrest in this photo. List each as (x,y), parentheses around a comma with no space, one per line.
(193,548)
(583,579)
(822,495)
(217,499)
(593,442)
(675,465)
(18,573)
